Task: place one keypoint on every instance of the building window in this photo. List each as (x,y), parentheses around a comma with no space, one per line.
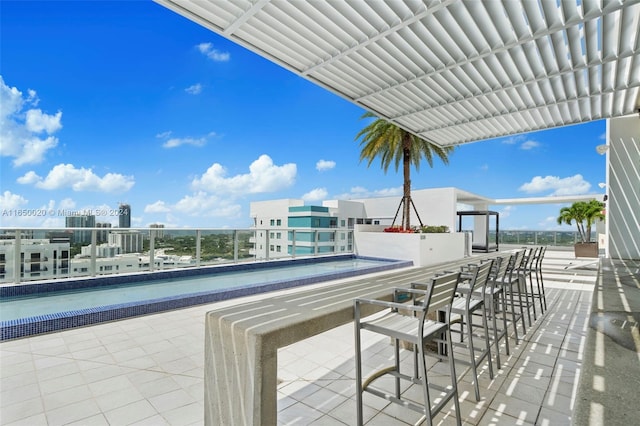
(342,223)
(278,249)
(271,247)
(272,222)
(278,235)
(271,234)
(279,222)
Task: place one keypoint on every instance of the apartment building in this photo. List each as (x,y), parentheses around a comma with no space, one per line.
(289,227)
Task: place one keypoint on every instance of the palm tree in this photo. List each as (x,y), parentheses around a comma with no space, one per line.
(393,144)
(583,213)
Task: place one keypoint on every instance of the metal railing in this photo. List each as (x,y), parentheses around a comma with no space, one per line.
(86,252)
(43,254)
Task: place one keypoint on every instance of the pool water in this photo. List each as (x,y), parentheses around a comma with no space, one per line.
(43,304)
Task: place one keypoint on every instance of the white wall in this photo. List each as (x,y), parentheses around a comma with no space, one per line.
(436,206)
(623,187)
(422,249)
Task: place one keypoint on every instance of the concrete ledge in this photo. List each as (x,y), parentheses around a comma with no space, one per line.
(242,340)
(608,390)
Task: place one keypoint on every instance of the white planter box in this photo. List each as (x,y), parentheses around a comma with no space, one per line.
(422,249)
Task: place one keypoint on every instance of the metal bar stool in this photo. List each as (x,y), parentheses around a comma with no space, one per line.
(471,301)
(512,285)
(526,270)
(409,322)
(495,301)
(537,270)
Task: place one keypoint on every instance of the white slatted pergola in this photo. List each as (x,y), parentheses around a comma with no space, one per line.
(450,71)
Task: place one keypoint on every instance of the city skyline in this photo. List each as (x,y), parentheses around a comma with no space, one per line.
(127,102)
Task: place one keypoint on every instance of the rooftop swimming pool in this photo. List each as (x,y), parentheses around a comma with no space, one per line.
(29,309)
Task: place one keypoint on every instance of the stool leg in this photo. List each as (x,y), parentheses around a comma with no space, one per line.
(454,378)
(359,415)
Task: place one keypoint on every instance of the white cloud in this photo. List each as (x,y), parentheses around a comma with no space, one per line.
(48,219)
(512,140)
(9,201)
(506,212)
(203,204)
(484,167)
(208,50)
(37,121)
(66,204)
(194,90)
(263,176)
(68,176)
(175,142)
(573,185)
(527,145)
(157,207)
(521,140)
(20,127)
(215,194)
(34,150)
(317,194)
(29,178)
(323,165)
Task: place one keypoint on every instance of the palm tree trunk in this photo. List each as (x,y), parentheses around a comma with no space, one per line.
(581,232)
(406,164)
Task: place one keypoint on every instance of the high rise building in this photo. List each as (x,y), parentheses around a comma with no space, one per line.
(130,241)
(157,229)
(102,236)
(81,221)
(124,219)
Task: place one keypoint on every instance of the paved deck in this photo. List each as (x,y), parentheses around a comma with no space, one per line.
(150,370)
(609,393)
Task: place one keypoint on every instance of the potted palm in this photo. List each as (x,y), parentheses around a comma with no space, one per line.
(585,214)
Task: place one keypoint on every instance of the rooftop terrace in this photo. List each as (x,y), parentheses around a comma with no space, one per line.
(150,370)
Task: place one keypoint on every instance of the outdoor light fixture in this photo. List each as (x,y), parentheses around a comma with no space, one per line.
(601,149)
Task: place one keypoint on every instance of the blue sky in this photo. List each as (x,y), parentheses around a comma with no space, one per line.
(107,102)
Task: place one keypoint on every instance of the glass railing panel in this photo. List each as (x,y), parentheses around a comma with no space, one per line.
(68,252)
(172,248)
(245,245)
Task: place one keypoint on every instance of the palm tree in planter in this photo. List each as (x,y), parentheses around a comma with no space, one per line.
(395,145)
(585,215)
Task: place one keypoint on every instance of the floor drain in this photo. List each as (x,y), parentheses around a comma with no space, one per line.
(625,325)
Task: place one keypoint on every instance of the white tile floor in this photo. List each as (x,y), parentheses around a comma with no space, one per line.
(149,370)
